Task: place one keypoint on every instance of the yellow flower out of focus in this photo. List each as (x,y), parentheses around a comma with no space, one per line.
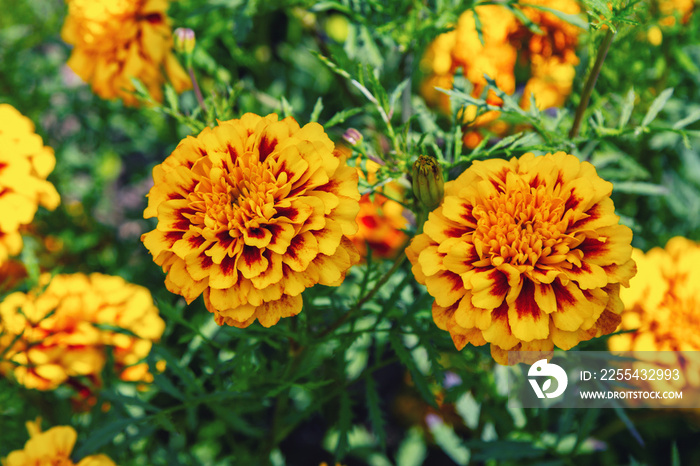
(251,213)
(506,44)
(53,337)
(525,254)
(663,301)
(116,40)
(24,165)
(53,447)
(670,10)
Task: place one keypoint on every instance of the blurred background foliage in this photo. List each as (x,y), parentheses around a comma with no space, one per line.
(385,386)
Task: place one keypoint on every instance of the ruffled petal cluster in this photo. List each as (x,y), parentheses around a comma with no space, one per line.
(24,165)
(505,45)
(60,335)
(525,254)
(53,447)
(662,314)
(663,301)
(117,40)
(250,214)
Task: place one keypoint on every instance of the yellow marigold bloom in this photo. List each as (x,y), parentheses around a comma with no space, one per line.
(505,43)
(525,254)
(53,336)
(663,300)
(662,306)
(24,165)
(250,214)
(53,447)
(116,40)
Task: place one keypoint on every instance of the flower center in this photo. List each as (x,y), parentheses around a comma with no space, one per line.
(519,226)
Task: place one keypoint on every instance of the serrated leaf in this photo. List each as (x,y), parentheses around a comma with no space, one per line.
(344,424)
(341,116)
(600,7)
(692,118)
(656,106)
(407,360)
(375,411)
(316,112)
(627,107)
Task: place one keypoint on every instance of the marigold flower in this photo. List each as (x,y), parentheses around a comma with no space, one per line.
(117,40)
(662,309)
(54,336)
(51,447)
(24,165)
(525,254)
(662,303)
(505,43)
(250,214)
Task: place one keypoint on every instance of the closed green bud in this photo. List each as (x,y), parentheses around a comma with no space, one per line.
(428,185)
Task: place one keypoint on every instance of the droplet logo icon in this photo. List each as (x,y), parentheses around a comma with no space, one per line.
(544,369)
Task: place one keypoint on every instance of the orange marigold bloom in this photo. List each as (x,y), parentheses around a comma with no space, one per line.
(116,40)
(53,447)
(24,165)
(663,301)
(525,254)
(505,42)
(251,213)
(51,337)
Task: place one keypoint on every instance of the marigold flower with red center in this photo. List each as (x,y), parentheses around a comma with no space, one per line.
(53,336)
(53,447)
(525,254)
(117,40)
(251,213)
(24,165)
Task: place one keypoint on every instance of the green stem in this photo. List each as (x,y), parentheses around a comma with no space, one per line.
(590,83)
(377,286)
(197,91)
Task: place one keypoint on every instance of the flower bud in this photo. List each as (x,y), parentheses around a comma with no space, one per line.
(184,40)
(428,185)
(352,136)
